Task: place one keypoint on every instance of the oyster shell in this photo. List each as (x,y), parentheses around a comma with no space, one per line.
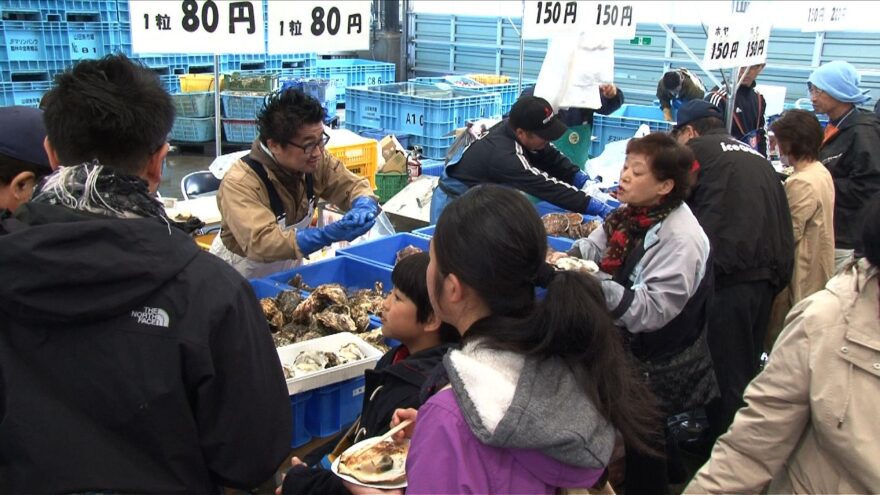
(334,319)
(298,282)
(309,361)
(287,301)
(323,296)
(407,251)
(375,339)
(577,264)
(272,313)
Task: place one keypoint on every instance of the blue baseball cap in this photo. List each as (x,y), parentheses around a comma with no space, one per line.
(696,110)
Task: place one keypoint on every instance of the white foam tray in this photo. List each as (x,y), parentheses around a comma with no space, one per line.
(330,343)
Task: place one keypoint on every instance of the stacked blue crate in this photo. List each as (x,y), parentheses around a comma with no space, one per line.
(427,113)
(354,72)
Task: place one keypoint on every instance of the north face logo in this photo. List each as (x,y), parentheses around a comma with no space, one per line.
(156,317)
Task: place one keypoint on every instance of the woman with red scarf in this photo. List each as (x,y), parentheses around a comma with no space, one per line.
(657,281)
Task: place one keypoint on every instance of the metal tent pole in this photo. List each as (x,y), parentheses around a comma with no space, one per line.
(217,128)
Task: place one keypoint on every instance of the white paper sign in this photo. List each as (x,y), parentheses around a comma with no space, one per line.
(328,26)
(543,19)
(190,26)
(827,16)
(573,69)
(736,44)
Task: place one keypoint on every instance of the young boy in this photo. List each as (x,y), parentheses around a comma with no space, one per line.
(23,160)
(399,375)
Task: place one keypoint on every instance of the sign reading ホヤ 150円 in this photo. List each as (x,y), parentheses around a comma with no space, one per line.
(321,26)
(736,44)
(190,26)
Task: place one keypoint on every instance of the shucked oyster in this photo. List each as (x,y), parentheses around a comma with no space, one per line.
(350,352)
(309,361)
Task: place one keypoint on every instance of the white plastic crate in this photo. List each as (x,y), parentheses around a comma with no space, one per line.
(337,374)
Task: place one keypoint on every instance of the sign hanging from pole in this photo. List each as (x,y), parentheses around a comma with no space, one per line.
(190,26)
(736,44)
(613,19)
(328,26)
(827,16)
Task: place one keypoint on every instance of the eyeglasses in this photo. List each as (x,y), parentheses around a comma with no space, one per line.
(813,90)
(308,150)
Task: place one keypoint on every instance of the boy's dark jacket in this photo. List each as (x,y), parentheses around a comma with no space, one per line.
(388,387)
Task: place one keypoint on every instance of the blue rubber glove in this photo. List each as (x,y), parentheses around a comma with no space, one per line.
(598,208)
(580,179)
(363,209)
(312,239)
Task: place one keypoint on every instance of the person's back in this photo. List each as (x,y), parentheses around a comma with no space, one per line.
(132,360)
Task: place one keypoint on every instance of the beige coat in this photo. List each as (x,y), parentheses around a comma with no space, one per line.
(248,227)
(812,418)
(810,193)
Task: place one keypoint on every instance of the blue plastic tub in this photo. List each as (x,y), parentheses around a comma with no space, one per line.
(383,251)
(351,273)
(241,104)
(193,130)
(330,408)
(509,91)
(433,167)
(354,72)
(544,208)
(239,130)
(299,406)
(623,123)
(418,109)
(425,231)
(560,243)
(378,134)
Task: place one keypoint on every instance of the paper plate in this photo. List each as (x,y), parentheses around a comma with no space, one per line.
(362,444)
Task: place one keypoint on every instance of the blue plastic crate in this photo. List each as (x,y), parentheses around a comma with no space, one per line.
(431,148)
(323,90)
(560,243)
(354,72)
(331,406)
(544,208)
(291,61)
(196,105)
(418,109)
(171,83)
(240,131)
(433,167)
(122,13)
(378,134)
(264,287)
(34,43)
(240,62)
(510,90)
(193,130)
(91,40)
(623,124)
(353,274)
(27,94)
(61,10)
(383,251)
(427,232)
(299,406)
(242,105)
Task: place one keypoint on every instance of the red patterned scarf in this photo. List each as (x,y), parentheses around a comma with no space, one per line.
(626,227)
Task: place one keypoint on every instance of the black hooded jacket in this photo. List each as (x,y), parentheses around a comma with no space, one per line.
(853,158)
(131,361)
(388,387)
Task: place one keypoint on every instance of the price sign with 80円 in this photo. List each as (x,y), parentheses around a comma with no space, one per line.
(190,26)
(332,26)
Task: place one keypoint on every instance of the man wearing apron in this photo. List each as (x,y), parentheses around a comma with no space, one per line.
(267,198)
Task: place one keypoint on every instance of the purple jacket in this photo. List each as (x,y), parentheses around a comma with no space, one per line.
(446,457)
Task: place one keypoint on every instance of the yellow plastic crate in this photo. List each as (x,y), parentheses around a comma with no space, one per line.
(192,83)
(489,78)
(361,158)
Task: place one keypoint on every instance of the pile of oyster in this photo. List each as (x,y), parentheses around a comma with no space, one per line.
(409,250)
(329,309)
(570,225)
(311,361)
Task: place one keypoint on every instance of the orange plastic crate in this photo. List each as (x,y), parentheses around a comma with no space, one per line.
(361,158)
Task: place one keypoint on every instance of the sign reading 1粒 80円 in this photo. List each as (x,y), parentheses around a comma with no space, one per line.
(322,26)
(544,19)
(190,26)
(736,44)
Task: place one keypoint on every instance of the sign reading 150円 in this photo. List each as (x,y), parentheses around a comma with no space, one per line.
(544,19)
(736,45)
(190,26)
(319,26)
